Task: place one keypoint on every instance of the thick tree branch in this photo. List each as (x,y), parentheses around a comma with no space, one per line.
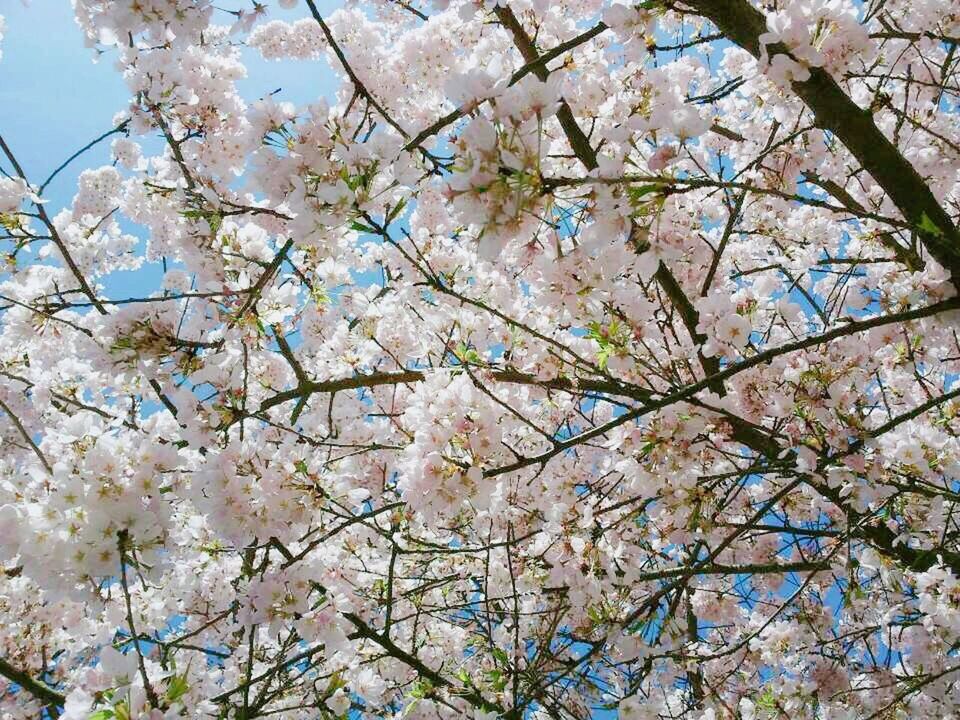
(854,126)
(41,691)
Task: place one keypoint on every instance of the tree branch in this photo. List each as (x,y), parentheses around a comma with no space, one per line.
(836,112)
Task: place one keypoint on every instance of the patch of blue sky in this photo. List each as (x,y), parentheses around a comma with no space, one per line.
(66,94)
(60,95)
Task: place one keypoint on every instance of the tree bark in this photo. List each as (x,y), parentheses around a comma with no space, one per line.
(855,128)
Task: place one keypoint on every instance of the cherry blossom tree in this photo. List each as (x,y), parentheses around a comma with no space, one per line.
(574,360)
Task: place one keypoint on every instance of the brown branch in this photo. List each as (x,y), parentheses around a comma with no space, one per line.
(533,66)
(122,543)
(836,112)
(52,699)
(691,390)
(588,156)
(399,377)
(357,82)
(24,433)
(54,234)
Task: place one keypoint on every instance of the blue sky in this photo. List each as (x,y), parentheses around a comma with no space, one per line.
(57,97)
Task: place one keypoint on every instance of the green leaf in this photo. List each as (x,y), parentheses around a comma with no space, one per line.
(360,227)
(498,681)
(421,689)
(467,355)
(473,357)
(603,357)
(596,333)
(637,192)
(767,701)
(101,715)
(395,212)
(177,687)
(929,227)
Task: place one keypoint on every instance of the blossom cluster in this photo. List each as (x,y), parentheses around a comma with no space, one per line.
(568,358)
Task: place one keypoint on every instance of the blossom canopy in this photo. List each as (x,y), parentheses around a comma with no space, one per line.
(573,359)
